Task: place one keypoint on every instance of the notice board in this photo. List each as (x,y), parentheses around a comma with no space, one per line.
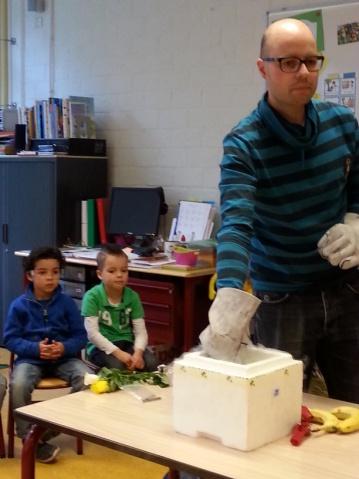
(336,29)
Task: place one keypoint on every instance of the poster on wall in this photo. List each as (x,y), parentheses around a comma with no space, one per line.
(340,88)
(336,29)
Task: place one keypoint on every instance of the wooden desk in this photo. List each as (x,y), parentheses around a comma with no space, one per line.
(121,422)
(175,301)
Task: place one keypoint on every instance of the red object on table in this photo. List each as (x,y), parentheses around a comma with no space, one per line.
(302,430)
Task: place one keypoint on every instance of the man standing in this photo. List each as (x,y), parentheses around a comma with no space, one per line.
(289,206)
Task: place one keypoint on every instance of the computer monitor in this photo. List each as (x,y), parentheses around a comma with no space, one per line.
(135,210)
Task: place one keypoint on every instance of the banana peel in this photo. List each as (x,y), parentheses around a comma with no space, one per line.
(348,418)
(323,421)
(343,419)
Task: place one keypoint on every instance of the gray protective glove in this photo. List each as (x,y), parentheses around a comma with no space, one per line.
(229,318)
(340,244)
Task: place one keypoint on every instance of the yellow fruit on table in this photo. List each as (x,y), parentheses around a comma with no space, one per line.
(323,420)
(100,386)
(348,418)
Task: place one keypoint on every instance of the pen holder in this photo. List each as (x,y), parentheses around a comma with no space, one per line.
(186,258)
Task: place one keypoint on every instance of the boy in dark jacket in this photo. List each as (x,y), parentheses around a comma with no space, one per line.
(45,331)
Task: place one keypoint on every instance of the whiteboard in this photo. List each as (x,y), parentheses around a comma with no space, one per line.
(336,29)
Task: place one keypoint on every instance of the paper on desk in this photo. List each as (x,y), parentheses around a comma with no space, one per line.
(151,262)
(86,253)
(140,392)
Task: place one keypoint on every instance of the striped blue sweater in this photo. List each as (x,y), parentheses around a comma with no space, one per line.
(282,186)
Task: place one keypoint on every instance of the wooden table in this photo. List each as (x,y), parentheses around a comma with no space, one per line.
(121,422)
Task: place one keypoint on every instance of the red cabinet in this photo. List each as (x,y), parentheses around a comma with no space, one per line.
(163,310)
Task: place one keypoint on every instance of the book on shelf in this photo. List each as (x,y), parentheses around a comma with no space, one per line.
(81,117)
(38,116)
(84,221)
(56,117)
(101,207)
(30,122)
(65,118)
(89,225)
(46,118)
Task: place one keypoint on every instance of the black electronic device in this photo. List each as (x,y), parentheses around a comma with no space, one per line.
(20,137)
(71,146)
(134,216)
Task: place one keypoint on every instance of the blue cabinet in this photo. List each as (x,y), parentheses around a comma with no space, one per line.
(40,204)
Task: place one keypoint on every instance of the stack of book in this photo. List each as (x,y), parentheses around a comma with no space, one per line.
(93,222)
(155,261)
(46,150)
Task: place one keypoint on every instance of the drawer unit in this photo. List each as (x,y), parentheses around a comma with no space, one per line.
(162,318)
(76,280)
(74,273)
(76,290)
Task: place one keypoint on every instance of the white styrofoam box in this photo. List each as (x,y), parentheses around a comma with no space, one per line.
(244,405)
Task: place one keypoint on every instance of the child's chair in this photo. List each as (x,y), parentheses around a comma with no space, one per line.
(44,384)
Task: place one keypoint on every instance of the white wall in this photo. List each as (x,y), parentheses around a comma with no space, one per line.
(169,78)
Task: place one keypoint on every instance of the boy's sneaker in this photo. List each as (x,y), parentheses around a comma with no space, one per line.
(46,452)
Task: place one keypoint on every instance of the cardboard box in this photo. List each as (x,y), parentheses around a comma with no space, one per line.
(244,405)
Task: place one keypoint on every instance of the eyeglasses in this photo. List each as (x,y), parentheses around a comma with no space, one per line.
(293,64)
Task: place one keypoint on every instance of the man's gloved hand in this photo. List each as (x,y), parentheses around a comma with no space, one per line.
(340,244)
(229,318)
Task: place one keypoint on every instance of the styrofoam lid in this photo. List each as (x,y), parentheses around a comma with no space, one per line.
(253,361)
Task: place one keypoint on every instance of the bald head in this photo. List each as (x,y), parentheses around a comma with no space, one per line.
(284,30)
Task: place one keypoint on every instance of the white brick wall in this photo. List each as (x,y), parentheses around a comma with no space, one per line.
(169,78)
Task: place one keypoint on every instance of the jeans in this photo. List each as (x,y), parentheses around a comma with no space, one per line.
(102,359)
(25,376)
(318,326)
